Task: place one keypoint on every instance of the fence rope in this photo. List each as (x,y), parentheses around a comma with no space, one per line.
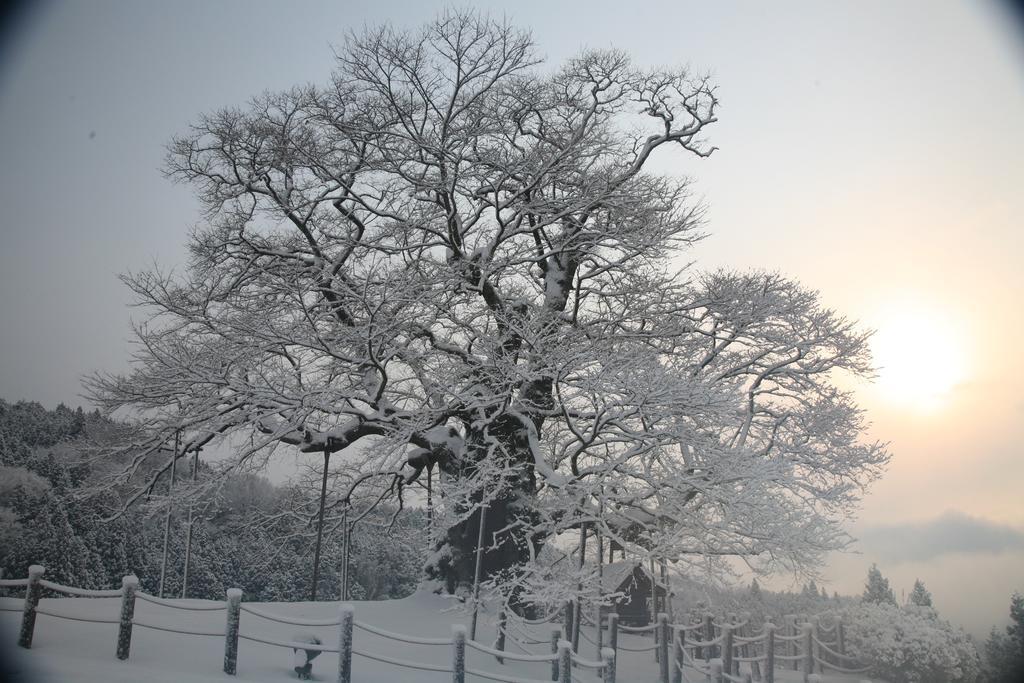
(749,639)
(704,643)
(480,647)
(832,652)
(218,634)
(524,637)
(638,629)
(92,620)
(173,605)
(13,583)
(692,663)
(535,622)
(792,638)
(638,649)
(586,663)
(288,620)
(842,669)
(414,640)
(290,644)
(10,609)
(789,658)
(403,662)
(79,592)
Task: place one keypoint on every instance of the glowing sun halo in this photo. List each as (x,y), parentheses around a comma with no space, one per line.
(920,358)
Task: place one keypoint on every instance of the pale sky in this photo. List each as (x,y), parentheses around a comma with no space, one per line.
(873,150)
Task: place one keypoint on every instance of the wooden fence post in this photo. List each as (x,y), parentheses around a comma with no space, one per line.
(564,661)
(608,657)
(348,616)
(715,671)
(664,635)
(28,614)
(599,639)
(727,648)
(567,618)
(709,634)
(458,653)
(791,645)
(129,584)
(502,625)
(680,656)
(556,637)
(815,647)
(808,651)
(613,633)
(577,623)
(231,631)
(769,652)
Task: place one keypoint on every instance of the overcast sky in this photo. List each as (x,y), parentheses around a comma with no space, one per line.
(873,150)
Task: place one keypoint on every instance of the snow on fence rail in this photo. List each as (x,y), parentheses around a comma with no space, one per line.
(715,649)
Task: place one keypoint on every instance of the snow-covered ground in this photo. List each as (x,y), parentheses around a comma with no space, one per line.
(83,652)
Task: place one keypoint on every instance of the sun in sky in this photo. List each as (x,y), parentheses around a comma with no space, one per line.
(921,357)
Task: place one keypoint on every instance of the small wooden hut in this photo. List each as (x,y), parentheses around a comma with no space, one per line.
(631,584)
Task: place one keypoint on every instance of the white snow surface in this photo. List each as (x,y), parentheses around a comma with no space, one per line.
(64,650)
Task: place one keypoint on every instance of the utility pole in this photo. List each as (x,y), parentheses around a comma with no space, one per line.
(320,526)
(167,521)
(191,517)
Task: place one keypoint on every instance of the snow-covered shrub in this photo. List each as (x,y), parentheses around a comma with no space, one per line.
(910,644)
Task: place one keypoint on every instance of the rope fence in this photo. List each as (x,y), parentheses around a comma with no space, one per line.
(717,652)
(176,605)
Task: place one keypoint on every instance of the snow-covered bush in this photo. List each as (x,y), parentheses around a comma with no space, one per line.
(910,644)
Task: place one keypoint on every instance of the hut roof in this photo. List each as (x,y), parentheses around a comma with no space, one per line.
(617,577)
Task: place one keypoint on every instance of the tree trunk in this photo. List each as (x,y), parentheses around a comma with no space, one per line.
(504,550)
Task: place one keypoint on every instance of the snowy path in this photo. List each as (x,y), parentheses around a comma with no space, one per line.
(83,652)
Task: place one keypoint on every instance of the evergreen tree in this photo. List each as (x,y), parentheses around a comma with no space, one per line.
(920,596)
(1004,652)
(877,589)
(755,592)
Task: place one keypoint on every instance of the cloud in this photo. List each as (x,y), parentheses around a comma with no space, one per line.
(952,532)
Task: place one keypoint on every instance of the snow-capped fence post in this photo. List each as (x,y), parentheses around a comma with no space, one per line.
(564,661)
(28,614)
(345,644)
(808,650)
(129,584)
(231,631)
(680,656)
(556,637)
(502,625)
(458,653)
(709,634)
(608,670)
(727,648)
(715,671)
(769,652)
(664,634)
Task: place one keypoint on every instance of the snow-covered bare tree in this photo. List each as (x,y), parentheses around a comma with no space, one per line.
(452,258)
